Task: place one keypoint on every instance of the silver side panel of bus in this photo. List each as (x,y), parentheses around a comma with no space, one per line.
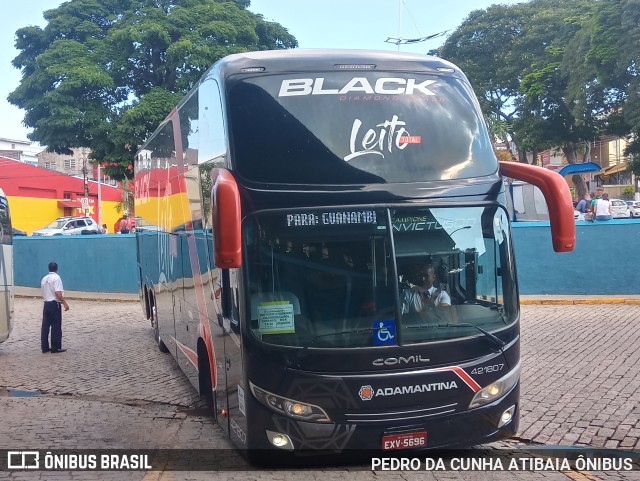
(6,292)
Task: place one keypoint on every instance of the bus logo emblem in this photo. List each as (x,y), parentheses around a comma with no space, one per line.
(366,393)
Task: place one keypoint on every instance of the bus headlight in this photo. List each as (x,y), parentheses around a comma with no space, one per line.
(289,407)
(496,389)
(280,440)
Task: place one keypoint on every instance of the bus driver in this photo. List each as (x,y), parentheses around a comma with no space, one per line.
(423,294)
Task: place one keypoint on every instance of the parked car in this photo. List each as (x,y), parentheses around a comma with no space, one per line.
(141,225)
(634,207)
(620,209)
(18,232)
(69,226)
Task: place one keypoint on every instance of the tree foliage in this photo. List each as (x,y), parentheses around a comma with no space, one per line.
(559,73)
(103,74)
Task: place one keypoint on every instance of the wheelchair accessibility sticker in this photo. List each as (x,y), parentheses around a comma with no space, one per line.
(384,332)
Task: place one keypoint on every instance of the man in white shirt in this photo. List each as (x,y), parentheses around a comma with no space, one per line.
(423,294)
(53,296)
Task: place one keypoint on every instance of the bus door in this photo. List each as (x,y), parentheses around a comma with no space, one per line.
(218,334)
(232,360)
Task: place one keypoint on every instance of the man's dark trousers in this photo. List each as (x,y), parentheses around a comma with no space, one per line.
(51,319)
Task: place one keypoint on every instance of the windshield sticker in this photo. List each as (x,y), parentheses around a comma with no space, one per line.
(423,223)
(357,85)
(384,332)
(276,317)
(377,141)
(410,139)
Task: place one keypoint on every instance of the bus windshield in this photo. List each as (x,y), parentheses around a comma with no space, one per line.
(366,278)
(383,128)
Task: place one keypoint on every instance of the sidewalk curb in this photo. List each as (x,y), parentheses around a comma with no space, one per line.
(73,298)
(34,293)
(564,302)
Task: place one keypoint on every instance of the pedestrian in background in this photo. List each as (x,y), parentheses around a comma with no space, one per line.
(53,296)
(116,226)
(591,213)
(603,210)
(125,225)
(594,200)
(104,229)
(584,204)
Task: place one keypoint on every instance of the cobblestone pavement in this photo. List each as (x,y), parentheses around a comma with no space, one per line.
(114,389)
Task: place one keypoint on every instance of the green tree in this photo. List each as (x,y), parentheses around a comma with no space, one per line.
(103,74)
(607,56)
(498,128)
(634,168)
(521,60)
(482,47)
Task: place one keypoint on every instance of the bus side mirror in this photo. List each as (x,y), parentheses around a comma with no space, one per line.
(225,219)
(558,197)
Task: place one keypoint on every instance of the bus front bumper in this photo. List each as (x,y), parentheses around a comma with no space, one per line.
(462,429)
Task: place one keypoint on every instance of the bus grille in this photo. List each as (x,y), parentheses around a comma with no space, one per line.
(413,415)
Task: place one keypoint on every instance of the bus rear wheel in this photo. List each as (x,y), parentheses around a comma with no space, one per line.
(161,345)
(150,302)
(204,379)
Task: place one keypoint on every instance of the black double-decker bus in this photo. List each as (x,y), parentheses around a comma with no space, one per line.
(325,250)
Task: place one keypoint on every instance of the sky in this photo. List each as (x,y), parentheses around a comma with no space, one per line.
(359,24)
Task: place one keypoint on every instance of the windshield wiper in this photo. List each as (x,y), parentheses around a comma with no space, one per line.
(499,342)
(500,309)
(339,333)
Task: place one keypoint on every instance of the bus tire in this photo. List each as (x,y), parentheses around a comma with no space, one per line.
(161,345)
(150,304)
(204,380)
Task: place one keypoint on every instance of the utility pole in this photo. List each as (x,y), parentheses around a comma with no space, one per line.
(99,198)
(85,204)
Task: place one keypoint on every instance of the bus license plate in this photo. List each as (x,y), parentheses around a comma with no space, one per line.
(404,441)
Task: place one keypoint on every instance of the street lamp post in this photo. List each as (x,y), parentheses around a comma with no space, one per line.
(459,228)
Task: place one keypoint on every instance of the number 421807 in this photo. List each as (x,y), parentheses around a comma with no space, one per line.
(487,369)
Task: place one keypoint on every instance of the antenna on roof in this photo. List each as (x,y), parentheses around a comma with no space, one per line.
(400,40)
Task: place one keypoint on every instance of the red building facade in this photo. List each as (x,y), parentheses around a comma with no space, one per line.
(37,196)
